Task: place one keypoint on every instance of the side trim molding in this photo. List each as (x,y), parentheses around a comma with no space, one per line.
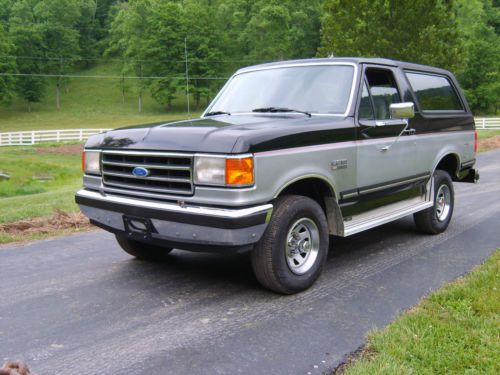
(386,185)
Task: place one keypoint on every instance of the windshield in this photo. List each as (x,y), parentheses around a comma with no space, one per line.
(315,89)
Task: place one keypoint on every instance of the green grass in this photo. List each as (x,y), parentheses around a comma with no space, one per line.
(483,134)
(25,196)
(455,330)
(90,103)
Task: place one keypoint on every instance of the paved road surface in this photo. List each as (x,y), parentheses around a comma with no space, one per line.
(78,305)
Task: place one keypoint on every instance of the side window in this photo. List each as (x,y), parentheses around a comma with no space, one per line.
(383,90)
(434,93)
(365,106)
(379,92)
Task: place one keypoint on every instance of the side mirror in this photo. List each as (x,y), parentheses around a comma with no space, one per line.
(402,110)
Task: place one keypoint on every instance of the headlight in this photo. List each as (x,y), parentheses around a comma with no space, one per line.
(91,162)
(223,171)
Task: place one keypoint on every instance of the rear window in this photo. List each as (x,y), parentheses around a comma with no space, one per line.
(434,93)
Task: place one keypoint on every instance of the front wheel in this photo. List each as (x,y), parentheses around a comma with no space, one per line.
(142,250)
(291,253)
(436,219)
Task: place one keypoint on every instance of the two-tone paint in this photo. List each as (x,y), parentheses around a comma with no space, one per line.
(290,147)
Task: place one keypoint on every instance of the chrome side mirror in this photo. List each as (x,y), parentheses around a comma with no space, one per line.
(402,110)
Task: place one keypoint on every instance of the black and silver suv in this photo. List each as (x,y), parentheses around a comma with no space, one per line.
(286,155)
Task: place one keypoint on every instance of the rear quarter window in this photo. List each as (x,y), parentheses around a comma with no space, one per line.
(434,93)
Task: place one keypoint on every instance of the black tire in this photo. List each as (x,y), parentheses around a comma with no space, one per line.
(436,219)
(274,256)
(142,250)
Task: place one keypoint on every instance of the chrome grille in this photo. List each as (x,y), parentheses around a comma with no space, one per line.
(169,173)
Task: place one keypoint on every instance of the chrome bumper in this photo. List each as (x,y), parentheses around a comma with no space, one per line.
(182,226)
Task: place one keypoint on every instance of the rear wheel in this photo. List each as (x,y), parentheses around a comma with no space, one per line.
(436,219)
(142,250)
(291,253)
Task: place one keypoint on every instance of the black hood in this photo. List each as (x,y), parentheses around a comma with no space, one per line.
(228,134)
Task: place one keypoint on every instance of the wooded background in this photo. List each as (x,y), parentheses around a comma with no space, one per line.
(150,43)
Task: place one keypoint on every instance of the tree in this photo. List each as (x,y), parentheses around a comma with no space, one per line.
(56,23)
(283,29)
(46,42)
(147,33)
(7,65)
(419,31)
(151,35)
(93,26)
(29,47)
(204,49)
(480,77)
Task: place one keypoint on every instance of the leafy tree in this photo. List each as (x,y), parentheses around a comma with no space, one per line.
(56,23)
(480,78)
(146,33)
(29,47)
(45,37)
(283,29)
(5,9)
(267,32)
(305,28)
(7,65)
(151,35)
(93,27)
(419,31)
(204,49)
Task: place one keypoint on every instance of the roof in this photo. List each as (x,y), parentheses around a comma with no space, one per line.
(355,60)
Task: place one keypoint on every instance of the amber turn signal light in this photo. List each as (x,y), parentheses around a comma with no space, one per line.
(239,171)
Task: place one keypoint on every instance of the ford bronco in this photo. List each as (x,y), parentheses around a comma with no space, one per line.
(286,155)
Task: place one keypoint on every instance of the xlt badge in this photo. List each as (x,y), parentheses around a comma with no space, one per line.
(338,164)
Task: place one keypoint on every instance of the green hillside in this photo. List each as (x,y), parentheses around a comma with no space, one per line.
(89,103)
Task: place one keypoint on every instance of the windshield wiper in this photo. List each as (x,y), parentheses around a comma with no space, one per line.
(214,113)
(279,109)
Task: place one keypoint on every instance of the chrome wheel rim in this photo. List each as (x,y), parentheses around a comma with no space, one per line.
(443,202)
(302,246)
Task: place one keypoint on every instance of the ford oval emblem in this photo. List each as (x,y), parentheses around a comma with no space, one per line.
(140,172)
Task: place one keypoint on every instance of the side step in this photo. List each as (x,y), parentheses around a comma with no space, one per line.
(385,214)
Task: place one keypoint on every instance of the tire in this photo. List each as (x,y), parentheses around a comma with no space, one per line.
(292,251)
(436,219)
(142,250)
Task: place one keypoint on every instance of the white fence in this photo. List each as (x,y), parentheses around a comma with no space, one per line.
(38,136)
(487,123)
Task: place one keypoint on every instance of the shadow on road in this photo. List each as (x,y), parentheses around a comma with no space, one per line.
(187,270)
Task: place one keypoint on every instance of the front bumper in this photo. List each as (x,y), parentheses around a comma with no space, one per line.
(185,227)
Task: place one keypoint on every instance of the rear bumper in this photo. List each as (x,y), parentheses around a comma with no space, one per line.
(170,224)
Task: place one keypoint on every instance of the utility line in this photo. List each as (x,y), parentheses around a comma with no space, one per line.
(124,59)
(110,77)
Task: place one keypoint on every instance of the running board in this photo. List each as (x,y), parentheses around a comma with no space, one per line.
(385,214)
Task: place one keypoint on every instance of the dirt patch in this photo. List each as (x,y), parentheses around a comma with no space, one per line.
(59,221)
(75,149)
(489,143)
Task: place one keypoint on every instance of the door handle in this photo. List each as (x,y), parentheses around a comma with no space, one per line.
(410,131)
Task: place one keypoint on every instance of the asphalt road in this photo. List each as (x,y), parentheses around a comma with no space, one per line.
(79,305)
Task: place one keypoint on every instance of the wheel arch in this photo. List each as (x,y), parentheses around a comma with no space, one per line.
(448,162)
(320,190)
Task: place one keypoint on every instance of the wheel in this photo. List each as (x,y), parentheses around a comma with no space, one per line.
(293,249)
(435,219)
(142,250)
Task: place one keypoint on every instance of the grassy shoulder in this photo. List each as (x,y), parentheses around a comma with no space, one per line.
(485,134)
(42,184)
(488,140)
(455,330)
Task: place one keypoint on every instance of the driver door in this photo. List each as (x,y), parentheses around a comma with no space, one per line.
(383,160)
